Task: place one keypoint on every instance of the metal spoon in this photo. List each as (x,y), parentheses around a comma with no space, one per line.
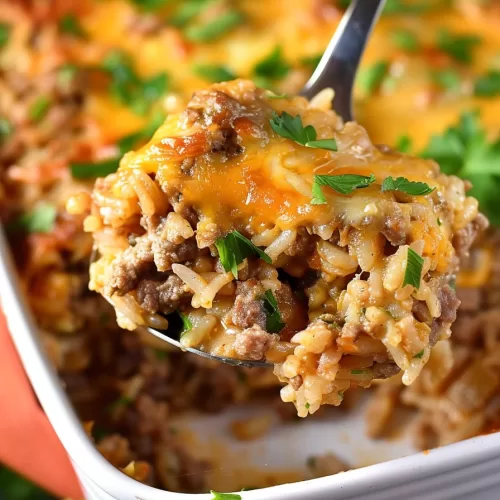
(337,69)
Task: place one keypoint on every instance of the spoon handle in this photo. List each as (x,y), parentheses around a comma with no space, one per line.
(338,66)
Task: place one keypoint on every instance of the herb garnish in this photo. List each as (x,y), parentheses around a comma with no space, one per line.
(343,184)
(224,496)
(39,109)
(214,73)
(419,354)
(150,4)
(186,323)
(359,372)
(216,28)
(4,34)
(370,78)
(307,406)
(272,67)
(66,74)
(406,186)
(405,40)
(447,79)
(413,272)
(459,47)
(464,150)
(187,11)
(403,144)
(6,128)
(234,248)
(128,88)
(292,128)
(90,170)
(273,316)
(39,220)
(70,25)
(488,85)
(312,61)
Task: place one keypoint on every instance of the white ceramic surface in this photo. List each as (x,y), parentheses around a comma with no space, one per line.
(458,471)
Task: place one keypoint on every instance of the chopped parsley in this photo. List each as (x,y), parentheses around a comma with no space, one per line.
(234,248)
(187,11)
(39,109)
(273,316)
(90,170)
(214,73)
(224,496)
(150,5)
(186,323)
(359,372)
(404,144)
(343,184)
(488,85)
(419,354)
(70,25)
(464,150)
(215,29)
(307,406)
(291,127)
(272,67)
(121,402)
(406,186)
(370,78)
(405,40)
(448,79)
(312,61)
(66,74)
(393,7)
(128,88)
(459,47)
(6,128)
(439,223)
(4,34)
(39,220)
(413,271)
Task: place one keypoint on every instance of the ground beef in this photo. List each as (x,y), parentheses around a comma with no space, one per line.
(449,304)
(253,343)
(130,267)
(248,309)
(385,370)
(303,246)
(167,253)
(464,238)
(421,311)
(396,228)
(161,296)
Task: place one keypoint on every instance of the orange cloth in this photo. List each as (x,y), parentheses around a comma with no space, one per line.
(28,444)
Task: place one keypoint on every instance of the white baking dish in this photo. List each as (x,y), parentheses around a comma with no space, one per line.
(457,471)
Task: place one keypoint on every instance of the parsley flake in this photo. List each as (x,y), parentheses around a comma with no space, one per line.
(6,128)
(343,184)
(459,47)
(488,85)
(214,73)
(70,25)
(224,496)
(406,186)
(464,150)
(39,220)
(186,323)
(273,316)
(39,109)
(234,248)
(312,61)
(291,127)
(419,354)
(359,372)
(91,170)
(5,30)
(150,5)
(404,144)
(307,406)
(413,271)
(405,40)
(215,29)
(273,66)
(187,11)
(447,79)
(370,78)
